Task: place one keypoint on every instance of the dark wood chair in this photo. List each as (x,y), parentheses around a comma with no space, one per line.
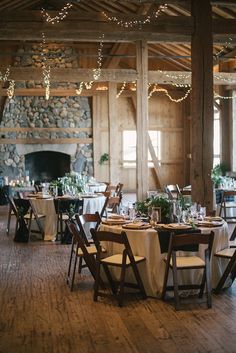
(225,204)
(173,191)
(190,243)
(66,208)
(123,260)
(79,249)
(30,215)
(85,222)
(12,211)
(111,205)
(230,270)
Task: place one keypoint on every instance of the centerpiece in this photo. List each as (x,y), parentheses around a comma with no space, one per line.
(144,208)
(72,183)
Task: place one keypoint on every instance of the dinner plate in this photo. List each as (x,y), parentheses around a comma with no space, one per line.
(136,226)
(171,226)
(114,222)
(212,219)
(88,196)
(209,224)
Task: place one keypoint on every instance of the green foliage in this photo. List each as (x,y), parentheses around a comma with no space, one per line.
(104,158)
(217,173)
(158,201)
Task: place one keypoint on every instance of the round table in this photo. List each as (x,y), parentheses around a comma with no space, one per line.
(146,243)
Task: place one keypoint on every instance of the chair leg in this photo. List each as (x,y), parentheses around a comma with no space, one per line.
(175,281)
(97,280)
(80,264)
(165,281)
(73,274)
(202,284)
(8,221)
(233,235)
(139,281)
(110,280)
(30,223)
(122,283)
(70,262)
(208,282)
(224,276)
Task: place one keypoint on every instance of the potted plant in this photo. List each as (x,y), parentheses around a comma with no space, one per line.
(104,158)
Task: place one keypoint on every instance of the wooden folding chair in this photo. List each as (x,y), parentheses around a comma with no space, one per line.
(230,270)
(85,222)
(31,215)
(226,205)
(66,210)
(190,243)
(111,205)
(12,211)
(79,250)
(123,260)
(173,191)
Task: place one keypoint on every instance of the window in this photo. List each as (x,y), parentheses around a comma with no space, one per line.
(216,139)
(129,147)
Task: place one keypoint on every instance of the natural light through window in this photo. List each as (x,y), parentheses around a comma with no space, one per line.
(216,141)
(129,146)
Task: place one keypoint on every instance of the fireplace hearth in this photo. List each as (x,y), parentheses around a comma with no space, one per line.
(45,166)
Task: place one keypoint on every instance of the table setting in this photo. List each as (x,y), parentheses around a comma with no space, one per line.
(145,227)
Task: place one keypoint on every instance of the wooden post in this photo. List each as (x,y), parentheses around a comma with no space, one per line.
(226,128)
(113,131)
(142,120)
(202,104)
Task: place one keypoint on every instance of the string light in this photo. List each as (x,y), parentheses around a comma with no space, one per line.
(88,85)
(46,68)
(61,15)
(11,89)
(97,71)
(178,100)
(80,89)
(226,46)
(121,90)
(4,77)
(135,23)
(223,97)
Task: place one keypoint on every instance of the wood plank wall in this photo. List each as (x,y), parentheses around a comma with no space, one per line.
(168,117)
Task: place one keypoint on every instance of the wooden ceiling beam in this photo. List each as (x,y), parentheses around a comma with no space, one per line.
(114,75)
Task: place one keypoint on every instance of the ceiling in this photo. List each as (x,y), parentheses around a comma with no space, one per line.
(173,56)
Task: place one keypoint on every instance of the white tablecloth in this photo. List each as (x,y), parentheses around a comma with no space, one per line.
(146,243)
(46,207)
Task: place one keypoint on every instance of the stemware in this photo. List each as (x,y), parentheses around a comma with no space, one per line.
(155,216)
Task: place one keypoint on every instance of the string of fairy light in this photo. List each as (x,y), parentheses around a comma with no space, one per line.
(136,23)
(59,17)
(46,68)
(4,77)
(173,79)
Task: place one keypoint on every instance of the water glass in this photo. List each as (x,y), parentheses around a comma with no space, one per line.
(155,216)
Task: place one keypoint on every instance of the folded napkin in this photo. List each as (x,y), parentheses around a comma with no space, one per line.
(137,225)
(209,224)
(173,226)
(216,218)
(114,221)
(115,216)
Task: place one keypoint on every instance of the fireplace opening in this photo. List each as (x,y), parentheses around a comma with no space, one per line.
(45,166)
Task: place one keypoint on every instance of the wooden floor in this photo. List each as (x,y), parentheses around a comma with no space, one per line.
(38,313)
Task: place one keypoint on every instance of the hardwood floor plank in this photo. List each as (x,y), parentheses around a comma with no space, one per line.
(38,313)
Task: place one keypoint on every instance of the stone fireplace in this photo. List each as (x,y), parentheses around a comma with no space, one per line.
(38,116)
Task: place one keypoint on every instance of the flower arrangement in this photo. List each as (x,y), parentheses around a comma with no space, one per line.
(217,174)
(72,183)
(143,207)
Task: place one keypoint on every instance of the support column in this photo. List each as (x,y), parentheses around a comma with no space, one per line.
(202,104)
(142,173)
(113,133)
(226,128)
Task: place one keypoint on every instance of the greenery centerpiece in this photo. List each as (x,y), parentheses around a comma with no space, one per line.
(217,174)
(71,183)
(144,207)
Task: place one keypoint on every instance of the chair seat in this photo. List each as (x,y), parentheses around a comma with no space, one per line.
(188,261)
(230,204)
(117,259)
(92,250)
(28,216)
(227,253)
